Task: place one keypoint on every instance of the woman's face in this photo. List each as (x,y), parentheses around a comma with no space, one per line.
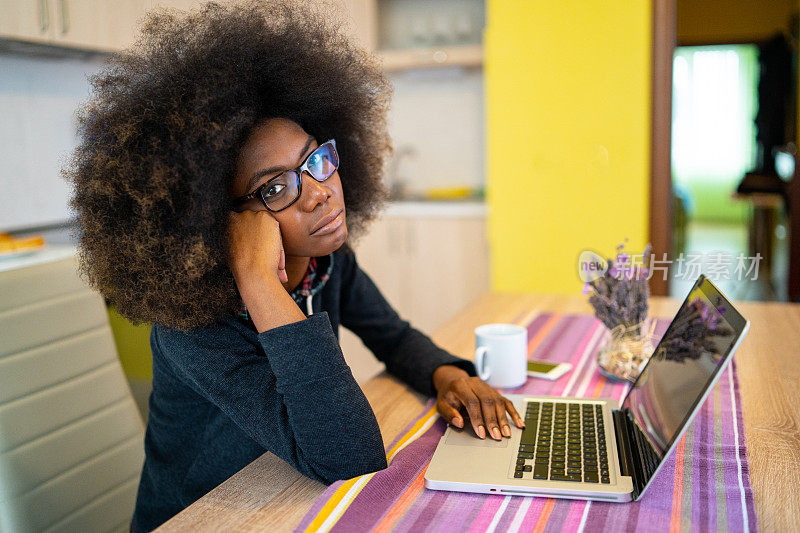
(280,144)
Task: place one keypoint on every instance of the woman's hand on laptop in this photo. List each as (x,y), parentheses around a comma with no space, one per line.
(485,406)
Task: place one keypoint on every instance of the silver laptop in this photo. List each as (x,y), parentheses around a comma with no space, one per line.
(593,449)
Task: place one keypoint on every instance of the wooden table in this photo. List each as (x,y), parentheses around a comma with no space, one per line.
(269,495)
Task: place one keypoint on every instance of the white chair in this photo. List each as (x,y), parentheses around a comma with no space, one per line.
(71,438)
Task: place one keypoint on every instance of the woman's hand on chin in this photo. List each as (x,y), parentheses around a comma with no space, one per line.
(255,246)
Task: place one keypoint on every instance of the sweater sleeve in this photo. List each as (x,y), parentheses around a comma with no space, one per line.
(407,352)
(300,401)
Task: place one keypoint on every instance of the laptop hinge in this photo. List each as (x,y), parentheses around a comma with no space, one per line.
(628,455)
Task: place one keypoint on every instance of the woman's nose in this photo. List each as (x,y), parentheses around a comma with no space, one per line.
(314,192)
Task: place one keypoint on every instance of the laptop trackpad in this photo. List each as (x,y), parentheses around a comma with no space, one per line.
(467,437)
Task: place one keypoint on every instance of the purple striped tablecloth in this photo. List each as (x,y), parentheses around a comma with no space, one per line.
(704,486)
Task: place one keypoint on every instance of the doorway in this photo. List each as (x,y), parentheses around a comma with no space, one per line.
(724,144)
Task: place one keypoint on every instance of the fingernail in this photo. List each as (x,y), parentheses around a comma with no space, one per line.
(506,431)
(496,433)
(481,432)
(457,422)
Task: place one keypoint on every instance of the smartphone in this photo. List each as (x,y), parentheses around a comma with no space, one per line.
(547,370)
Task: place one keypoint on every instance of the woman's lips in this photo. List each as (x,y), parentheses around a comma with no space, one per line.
(331,226)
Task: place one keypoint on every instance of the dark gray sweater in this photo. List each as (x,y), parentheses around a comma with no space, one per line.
(225,394)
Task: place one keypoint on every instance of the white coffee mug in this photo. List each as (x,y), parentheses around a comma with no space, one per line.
(501,354)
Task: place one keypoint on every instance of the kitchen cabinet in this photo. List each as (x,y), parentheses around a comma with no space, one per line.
(428,267)
(414,34)
(28,20)
(448,267)
(111,25)
(106,25)
(85,24)
(374,22)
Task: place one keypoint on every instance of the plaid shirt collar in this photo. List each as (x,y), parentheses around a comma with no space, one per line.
(317,274)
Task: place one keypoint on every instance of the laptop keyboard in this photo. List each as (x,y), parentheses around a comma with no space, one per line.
(563,442)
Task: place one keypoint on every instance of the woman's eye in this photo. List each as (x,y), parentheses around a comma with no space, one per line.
(275,189)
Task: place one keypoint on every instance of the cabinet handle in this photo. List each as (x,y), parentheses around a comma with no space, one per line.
(64,17)
(44,20)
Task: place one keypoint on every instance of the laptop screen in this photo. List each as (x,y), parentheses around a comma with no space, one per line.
(693,350)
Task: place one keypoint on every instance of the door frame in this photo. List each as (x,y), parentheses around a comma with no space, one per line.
(660,228)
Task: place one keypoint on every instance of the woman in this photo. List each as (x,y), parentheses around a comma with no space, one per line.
(225,161)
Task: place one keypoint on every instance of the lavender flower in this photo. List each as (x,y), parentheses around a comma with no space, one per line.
(620,295)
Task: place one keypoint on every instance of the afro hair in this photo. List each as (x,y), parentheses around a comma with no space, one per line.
(158,141)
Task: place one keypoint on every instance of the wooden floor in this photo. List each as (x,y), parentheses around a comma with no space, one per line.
(705,239)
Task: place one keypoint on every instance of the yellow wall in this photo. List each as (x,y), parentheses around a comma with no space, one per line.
(568,135)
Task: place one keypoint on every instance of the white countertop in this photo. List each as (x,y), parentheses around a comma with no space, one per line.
(50,252)
(444,209)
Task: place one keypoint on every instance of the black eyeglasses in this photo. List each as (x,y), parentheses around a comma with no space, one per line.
(284,189)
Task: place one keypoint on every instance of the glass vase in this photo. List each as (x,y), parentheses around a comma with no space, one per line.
(626,351)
